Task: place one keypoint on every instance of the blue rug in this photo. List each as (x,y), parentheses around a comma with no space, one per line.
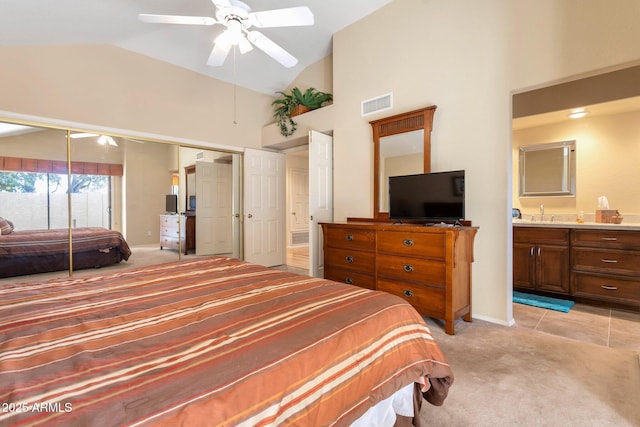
(544,302)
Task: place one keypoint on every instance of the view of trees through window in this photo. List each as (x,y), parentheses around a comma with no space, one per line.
(45,194)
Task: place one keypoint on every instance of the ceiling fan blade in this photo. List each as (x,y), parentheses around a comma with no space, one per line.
(218,54)
(222,4)
(83,135)
(174,19)
(288,17)
(269,47)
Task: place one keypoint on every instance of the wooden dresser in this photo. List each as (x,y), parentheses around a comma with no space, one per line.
(430,267)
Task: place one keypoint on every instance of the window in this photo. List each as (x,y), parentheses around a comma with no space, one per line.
(34,200)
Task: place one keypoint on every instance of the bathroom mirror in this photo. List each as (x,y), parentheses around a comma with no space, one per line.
(548,170)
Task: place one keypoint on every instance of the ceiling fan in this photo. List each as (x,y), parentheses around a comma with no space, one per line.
(237,17)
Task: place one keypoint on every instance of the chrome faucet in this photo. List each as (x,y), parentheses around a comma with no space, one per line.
(541,212)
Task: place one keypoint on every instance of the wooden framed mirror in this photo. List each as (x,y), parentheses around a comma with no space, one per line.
(190,187)
(401,146)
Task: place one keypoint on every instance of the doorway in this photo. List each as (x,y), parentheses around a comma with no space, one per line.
(297,213)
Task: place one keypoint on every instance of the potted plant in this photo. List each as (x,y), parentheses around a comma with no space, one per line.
(294,103)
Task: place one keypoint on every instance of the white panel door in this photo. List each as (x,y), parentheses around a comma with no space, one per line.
(299,199)
(320,196)
(214,208)
(264,207)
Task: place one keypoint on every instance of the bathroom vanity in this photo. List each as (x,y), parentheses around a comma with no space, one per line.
(592,262)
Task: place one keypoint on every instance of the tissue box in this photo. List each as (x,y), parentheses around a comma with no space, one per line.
(605,215)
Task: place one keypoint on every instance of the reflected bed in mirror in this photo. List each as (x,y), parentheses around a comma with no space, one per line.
(548,170)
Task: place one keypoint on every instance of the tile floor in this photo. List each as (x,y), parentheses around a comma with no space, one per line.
(597,325)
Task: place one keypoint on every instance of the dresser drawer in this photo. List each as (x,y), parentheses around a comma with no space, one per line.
(427,245)
(617,289)
(614,261)
(350,277)
(168,242)
(617,239)
(412,269)
(352,238)
(351,260)
(426,299)
(169,219)
(169,231)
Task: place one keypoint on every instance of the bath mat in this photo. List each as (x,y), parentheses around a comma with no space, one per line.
(544,302)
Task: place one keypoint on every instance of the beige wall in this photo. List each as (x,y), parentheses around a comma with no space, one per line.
(110,87)
(318,75)
(467,57)
(607,153)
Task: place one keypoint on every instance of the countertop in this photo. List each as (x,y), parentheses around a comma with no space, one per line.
(575,224)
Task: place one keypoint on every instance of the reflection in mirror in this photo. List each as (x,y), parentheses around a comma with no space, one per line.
(33,201)
(397,140)
(190,187)
(400,154)
(148,172)
(548,170)
(212,201)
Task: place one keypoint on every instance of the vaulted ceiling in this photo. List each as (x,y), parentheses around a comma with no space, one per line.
(115,22)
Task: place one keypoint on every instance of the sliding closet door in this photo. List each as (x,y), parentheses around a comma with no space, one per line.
(33,199)
(120,184)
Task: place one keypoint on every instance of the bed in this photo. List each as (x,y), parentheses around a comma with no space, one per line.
(40,251)
(208,341)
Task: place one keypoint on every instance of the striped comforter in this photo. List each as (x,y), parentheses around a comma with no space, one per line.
(45,242)
(211,341)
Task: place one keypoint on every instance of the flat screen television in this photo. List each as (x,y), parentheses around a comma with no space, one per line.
(171,204)
(429,197)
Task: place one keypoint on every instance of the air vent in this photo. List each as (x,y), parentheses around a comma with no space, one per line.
(374,105)
(299,237)
(200,155)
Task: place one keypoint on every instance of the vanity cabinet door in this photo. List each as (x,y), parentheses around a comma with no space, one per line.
(523,266)
(541,259)
(552,268)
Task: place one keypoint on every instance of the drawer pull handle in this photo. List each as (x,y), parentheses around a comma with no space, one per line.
(349,237)
(407,293)
(609,288)
(348,281)
(610,239)
(610,261)
(408,242)
(349,258)
(408,268)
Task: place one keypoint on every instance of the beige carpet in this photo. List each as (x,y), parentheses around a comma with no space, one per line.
(514,376)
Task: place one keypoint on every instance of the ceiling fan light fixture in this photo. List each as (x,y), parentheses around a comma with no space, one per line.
(245,46)
(578,113)
(107,140)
